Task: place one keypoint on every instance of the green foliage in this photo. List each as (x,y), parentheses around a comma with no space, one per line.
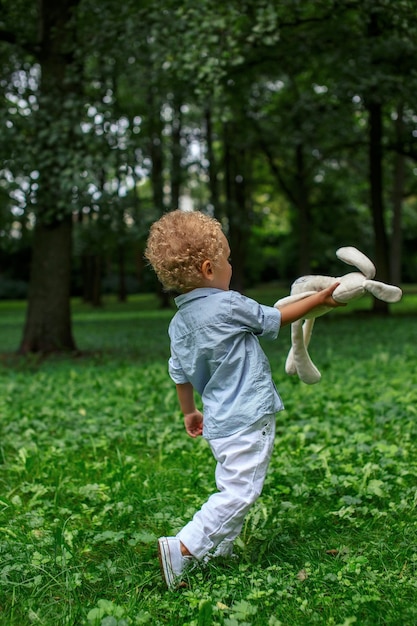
(95,465)
(90,129)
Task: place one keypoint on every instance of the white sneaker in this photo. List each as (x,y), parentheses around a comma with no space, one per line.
(173,563)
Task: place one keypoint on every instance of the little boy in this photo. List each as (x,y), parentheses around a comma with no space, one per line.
(215,351)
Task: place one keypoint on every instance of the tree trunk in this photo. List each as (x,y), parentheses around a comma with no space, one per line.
(212,169)
(48,319)
(121,263)
(176,155)
(156,154)
(374,108)
(91,266)
(397,203)
(304,217)
(237,205)
(97,263)
(377,204)
(86,274)
(138,247)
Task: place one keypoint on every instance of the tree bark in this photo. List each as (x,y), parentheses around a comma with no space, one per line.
(176,155)
(377,204)
(48,319)
(157,174)
(304,216)
(156,154)
(212,168)
(237,204)
(374,108)
(397,203)
(121,264)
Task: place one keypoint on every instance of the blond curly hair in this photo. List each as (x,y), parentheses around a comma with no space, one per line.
(178,244)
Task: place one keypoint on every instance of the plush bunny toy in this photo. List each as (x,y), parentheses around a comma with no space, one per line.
(352,286)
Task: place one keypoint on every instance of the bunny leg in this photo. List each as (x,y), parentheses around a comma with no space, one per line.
(300,338)
(290,363)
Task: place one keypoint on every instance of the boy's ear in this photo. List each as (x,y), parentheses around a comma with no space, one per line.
(207,269)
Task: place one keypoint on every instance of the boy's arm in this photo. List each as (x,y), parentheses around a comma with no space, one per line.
(297,310)
(193,418)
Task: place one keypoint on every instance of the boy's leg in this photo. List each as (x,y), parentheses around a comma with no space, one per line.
(242,462)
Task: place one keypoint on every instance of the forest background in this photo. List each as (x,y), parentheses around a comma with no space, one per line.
(294,123)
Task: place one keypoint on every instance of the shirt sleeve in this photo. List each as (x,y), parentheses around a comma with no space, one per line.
(272,321)
(176,372)
(262,320)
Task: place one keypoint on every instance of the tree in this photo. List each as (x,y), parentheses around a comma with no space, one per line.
(384,57)
(48,325)
(61,59)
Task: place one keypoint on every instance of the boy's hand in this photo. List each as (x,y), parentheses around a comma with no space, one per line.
(327,296)
(194,423)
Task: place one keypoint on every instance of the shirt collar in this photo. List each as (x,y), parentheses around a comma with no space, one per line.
(195,294)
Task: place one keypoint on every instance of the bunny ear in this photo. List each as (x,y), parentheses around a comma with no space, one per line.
(387,293)
(354,257)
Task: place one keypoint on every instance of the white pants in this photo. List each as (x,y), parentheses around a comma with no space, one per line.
(242,463)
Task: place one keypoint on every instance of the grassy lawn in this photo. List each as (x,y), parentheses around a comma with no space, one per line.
(95,465)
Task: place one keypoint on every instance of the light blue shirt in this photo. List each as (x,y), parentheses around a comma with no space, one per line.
(215,347)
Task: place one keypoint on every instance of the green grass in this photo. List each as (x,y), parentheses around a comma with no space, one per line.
(95,465)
